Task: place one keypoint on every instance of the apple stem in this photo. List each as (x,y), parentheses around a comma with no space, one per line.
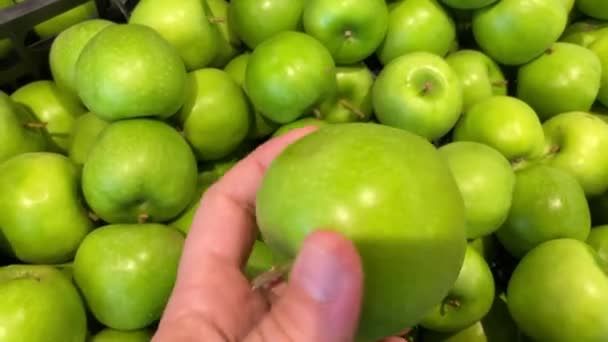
(549,51)
(317,113)
(92,216)
(449,303)
(270,278)
(500,83)
(348,34)
(553,149)
(346,104)
(217,20)
(427,87)
(35,124)
(142,218)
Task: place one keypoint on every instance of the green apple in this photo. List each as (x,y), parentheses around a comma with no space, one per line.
(139,170)
(5,43)
(184,24)
(480,76)
(563,79)
(505,123)
(256,21)
(584,32)
(418,92)
(468,4)
(215,116)
(303,122)
(576,142)
(376,185)
(259,126)
(126,272)
(41,212)
(228,42)
(54,107)
(66,49)
(473,333)
(289,75)
(600,47)
(559,292)
(548,204)
(486,181)
(65,20)
(350,29)
(112,335)
(85,133)
(20,130)
(353,98)
(417,25)
(598,240)
(593,8)
(261,259)
(38,303)
(141,75)
(514,32)
(469,300)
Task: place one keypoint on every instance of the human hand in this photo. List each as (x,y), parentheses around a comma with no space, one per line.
(213,300)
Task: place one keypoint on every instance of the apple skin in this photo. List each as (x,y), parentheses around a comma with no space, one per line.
(66,49)
(5,44)
(303,122)
(548,204)
(40,202)
(215,115)
(126,272)
(486,181)
(600,47)
(505,123)
(139,169)
(565,78)
(261,259)
(350,29)
(15,136)
(86,131)
(416,25)
(229,44)
(65,20)
(468,4)
(111,335)
(38,303)
(480,76)
(418,92)
(256,21)
(513,43)
(57,108)
(185,25)
(353,99)
(469,300)
(363,173)
(593,8)
(123,81)
(289,75)
(559,292)
(259,126)
(598,240)
(576,142)
(584,32)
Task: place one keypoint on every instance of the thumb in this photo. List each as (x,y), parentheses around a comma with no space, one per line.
(323,298)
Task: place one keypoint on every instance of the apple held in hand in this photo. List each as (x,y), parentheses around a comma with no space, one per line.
(112,335)
(353,99)
(469,300)
(41,212)
(126,272)
(514,32)
(548,204)
(559,292)
(66,49)
(417,25)
(289,75)
(576,142)
(480,76)
(215,116)
(418,92)
(505,123)
(255,21)
(129,70)
(486,181)
(39,303)
(20,131)
(370,178)
(350,29)
(565,78)
(53,106)
(140,170)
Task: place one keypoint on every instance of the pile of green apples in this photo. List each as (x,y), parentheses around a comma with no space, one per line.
(461,144)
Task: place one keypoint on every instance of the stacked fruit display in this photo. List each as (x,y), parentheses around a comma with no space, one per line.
(461,146)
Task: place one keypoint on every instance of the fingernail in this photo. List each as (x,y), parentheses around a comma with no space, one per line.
(319,272)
